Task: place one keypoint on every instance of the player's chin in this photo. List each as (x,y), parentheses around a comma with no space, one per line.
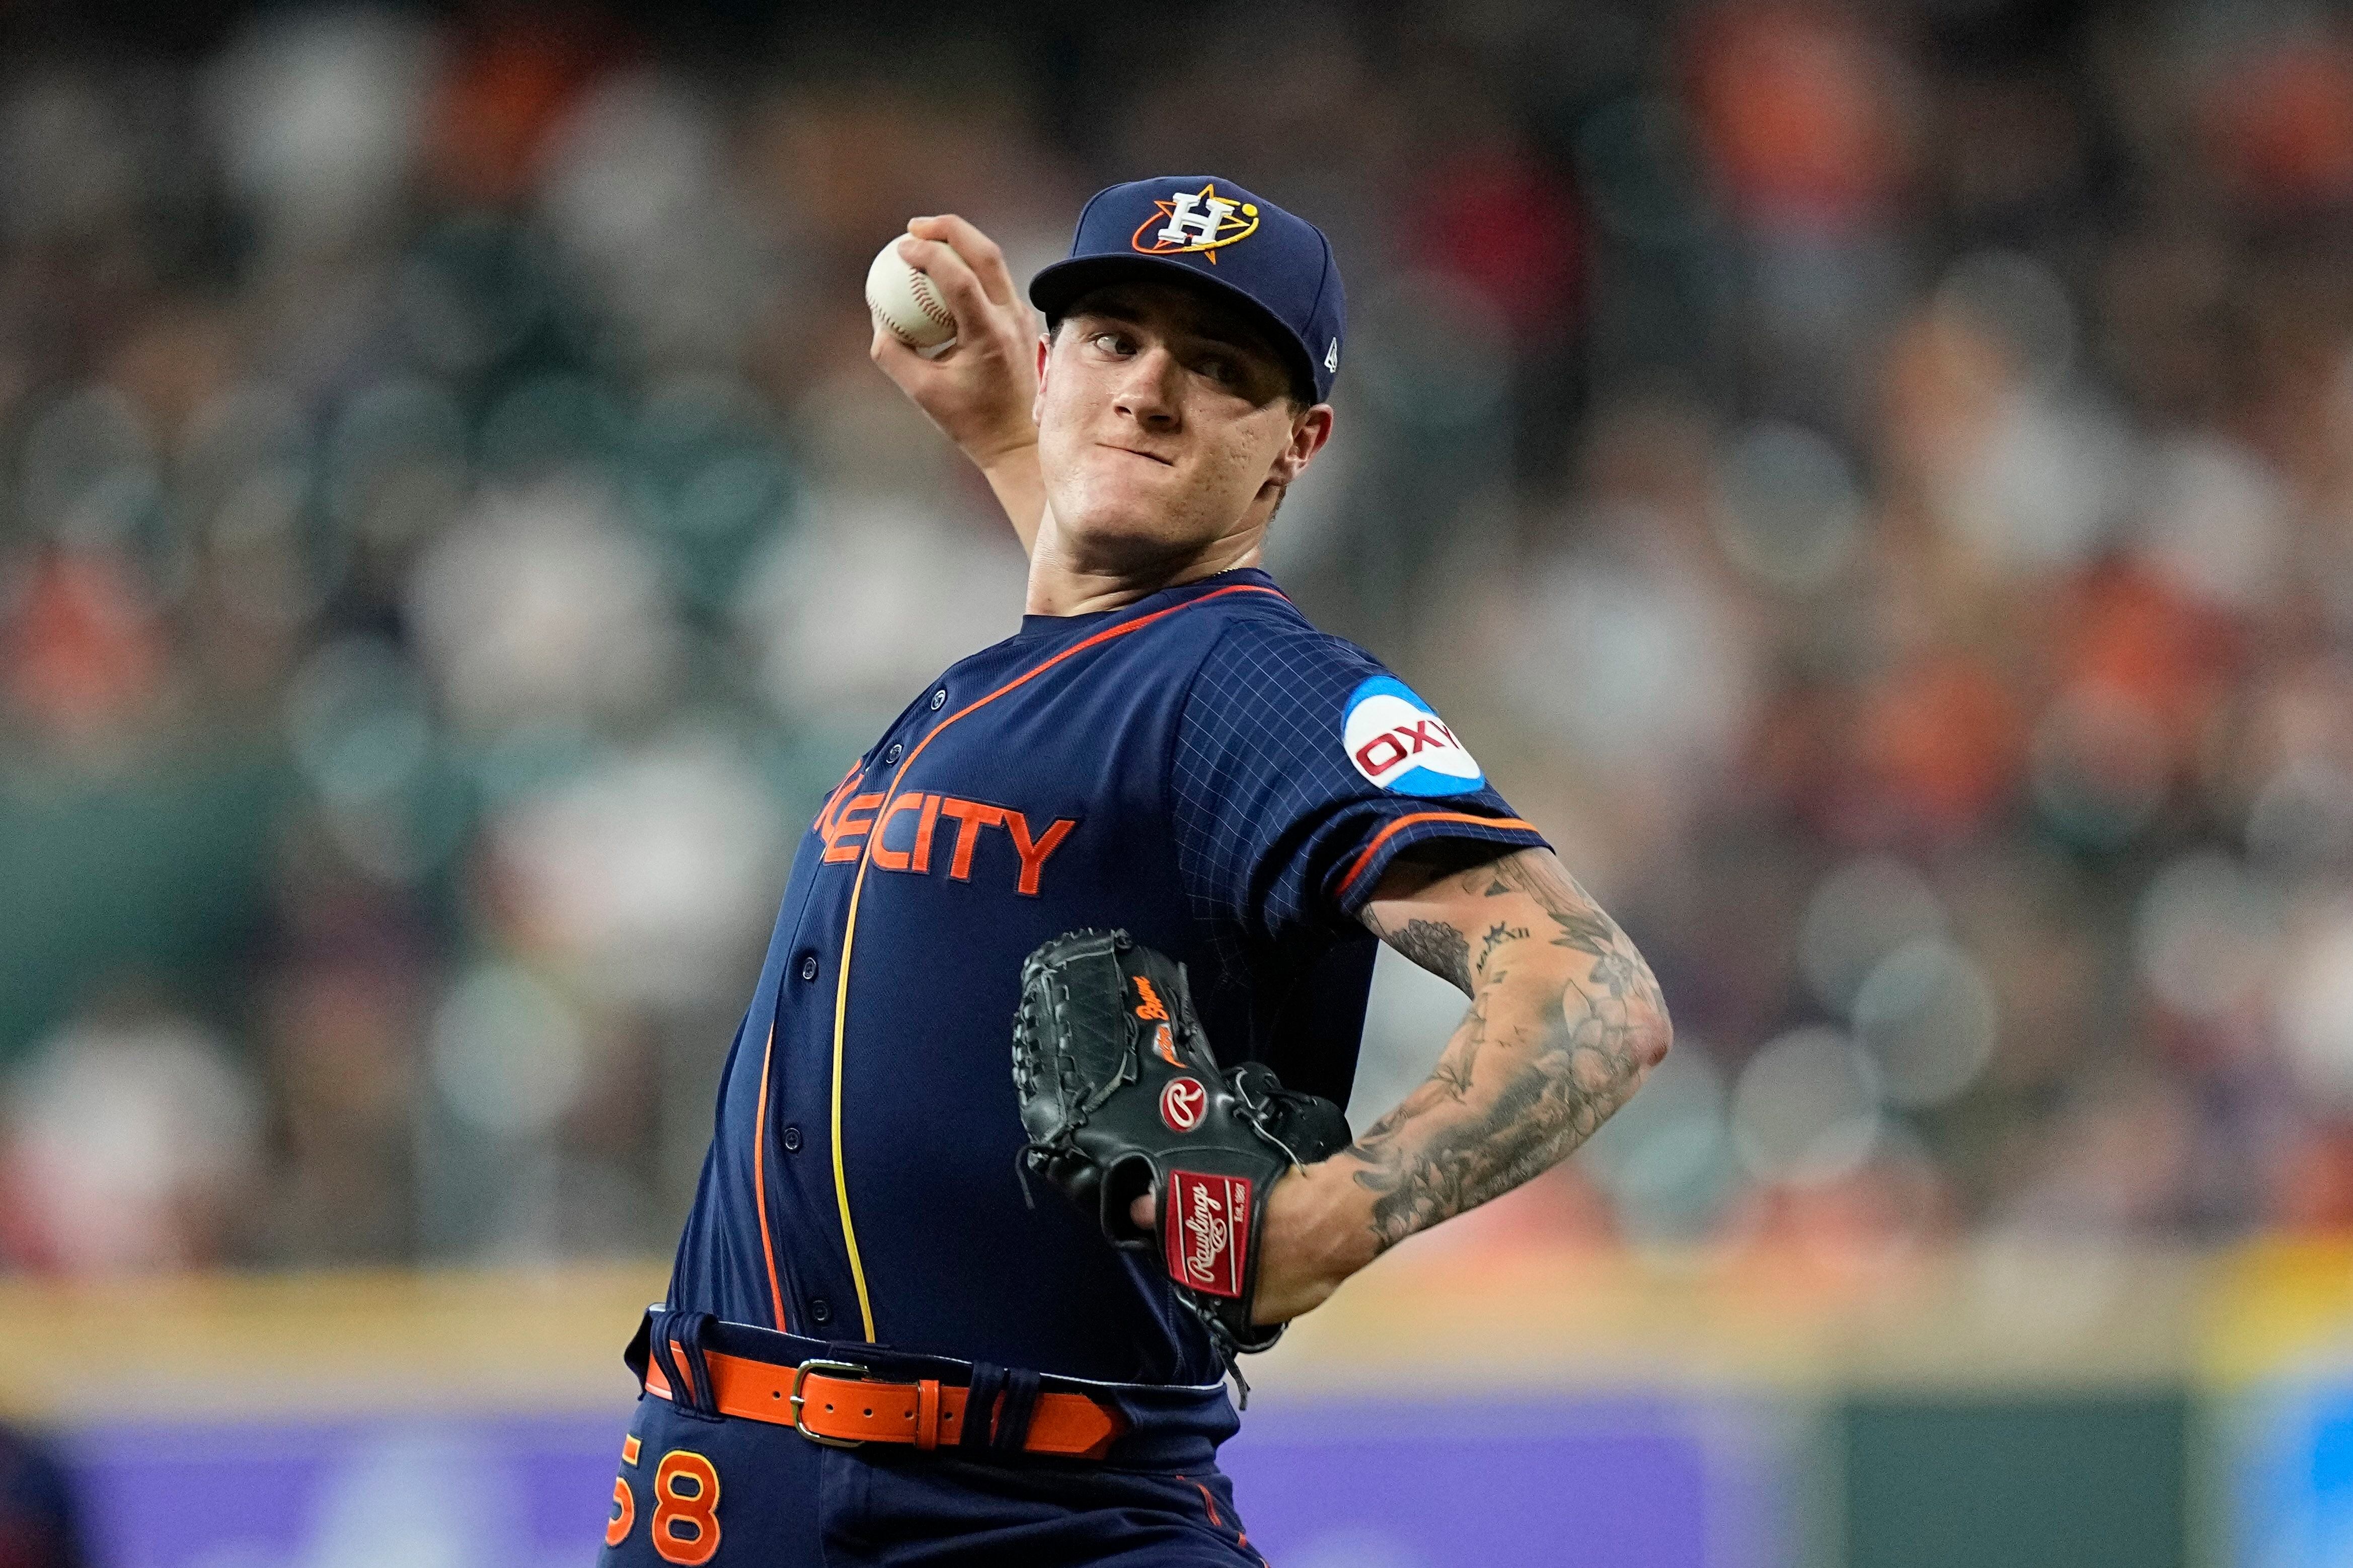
(1139,504)
(1133,530)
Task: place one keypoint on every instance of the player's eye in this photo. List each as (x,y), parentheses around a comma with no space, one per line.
(1224,371)
(1111,342)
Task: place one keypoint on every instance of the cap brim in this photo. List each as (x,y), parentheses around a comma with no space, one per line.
(1056,288)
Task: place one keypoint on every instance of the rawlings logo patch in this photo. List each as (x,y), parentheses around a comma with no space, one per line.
(1182,1104)
(1396,740)
(1209,1228)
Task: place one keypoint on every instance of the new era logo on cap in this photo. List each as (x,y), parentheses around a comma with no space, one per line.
(1208,229)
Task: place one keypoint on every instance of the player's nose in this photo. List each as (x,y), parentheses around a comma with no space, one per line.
(1147,391)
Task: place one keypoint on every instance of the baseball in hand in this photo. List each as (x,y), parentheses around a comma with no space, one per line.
(904,301)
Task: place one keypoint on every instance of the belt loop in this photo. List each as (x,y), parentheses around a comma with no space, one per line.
(657,1345)
(1021,1387)
(688,1331)
(677,1343)
(927,1414)
(639,1347)
(980,1404)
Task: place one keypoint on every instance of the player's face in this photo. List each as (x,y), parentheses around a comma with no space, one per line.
(1164,424)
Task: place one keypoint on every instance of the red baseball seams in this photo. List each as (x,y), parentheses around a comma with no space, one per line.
(1207,1231)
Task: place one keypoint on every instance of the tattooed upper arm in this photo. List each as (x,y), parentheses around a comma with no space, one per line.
(1538,1063)
(1426,934)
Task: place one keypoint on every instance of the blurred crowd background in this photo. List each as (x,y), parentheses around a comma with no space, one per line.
(1874,482)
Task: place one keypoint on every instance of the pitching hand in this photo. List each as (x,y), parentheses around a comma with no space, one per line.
(980,391)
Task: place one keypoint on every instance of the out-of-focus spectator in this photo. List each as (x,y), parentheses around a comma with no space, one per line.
(132,1143)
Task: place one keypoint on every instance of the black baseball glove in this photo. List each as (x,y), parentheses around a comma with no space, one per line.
(1121,1096)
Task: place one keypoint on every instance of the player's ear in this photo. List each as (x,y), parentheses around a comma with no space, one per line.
(1037,399)
(1309,431)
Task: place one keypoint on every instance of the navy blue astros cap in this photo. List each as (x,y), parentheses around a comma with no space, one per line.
(1213,231)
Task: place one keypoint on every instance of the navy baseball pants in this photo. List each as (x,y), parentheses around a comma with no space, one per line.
(699,1488)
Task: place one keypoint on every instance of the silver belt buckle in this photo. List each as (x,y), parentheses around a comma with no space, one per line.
(800,1376)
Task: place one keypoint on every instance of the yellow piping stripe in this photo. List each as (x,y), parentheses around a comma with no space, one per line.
(858,886)
(840,1018)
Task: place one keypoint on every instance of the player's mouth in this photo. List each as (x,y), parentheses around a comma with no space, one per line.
(1131,451)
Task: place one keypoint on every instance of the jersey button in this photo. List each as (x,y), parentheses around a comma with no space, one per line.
(808,966)
(792,1140)
(939,699)
(820,1310)
(892,755)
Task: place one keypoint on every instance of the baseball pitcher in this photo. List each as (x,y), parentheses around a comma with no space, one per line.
(1030,1129)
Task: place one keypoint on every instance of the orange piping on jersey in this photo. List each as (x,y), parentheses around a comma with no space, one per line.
(760,1182)
(1366,858)
(858,886)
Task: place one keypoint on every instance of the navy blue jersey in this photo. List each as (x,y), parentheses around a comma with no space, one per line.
(1202,767)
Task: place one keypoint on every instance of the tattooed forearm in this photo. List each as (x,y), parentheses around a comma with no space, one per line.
(1551,1046)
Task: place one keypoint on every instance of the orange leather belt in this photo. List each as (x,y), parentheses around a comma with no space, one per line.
(833,1402)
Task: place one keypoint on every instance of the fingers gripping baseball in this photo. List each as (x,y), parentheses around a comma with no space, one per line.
(978,251)
(979,391)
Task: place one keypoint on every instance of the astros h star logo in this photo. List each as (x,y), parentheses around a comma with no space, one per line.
(1198,220)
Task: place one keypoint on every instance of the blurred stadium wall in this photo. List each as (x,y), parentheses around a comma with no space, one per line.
(1874,482)
(2008,1405)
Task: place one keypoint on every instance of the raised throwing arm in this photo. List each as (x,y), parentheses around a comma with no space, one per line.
(1565,1021)
(979,392)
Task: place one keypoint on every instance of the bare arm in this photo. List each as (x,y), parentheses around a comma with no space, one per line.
(979,393)
(1565,1021)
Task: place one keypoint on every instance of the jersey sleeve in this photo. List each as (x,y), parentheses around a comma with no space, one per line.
(1301,769)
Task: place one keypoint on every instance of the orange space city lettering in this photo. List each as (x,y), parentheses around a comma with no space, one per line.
(920,833)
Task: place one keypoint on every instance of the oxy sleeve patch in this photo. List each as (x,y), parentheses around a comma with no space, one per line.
(1397,740)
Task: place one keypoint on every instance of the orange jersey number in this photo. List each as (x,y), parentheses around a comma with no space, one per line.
(686,1507)
(686,1521)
